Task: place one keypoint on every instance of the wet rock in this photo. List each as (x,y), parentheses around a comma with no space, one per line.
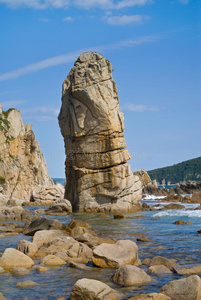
(188,271)
(26,284)
(52,260)
(42,223)
(79,266)
(115,255)
(44,236)
(130,275)
(59,207)
(119,216)
(146,261)
(42,269)
(152,296)
(76,223)
(159,269)
(174,198)
(19,271)
(145,206)
(27,248)
(12,258)
(179,222)
(86,289)
(143,239)
(160,260)
(183,289)
(188,223)
(173,206)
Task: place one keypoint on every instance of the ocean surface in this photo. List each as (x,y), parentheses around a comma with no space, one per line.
(179,242)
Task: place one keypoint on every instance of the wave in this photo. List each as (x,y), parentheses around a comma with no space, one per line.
(178,213)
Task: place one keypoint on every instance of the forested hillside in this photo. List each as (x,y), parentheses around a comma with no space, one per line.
(184,171)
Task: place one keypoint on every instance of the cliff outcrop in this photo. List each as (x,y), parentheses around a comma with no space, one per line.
(98,174)
(22,165)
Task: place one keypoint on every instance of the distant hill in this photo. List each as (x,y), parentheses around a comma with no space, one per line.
(184,171)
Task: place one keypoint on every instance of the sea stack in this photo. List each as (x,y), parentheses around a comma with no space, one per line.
(98,175)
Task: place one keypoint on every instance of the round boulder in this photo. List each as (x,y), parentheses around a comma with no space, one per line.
(130,275)
(12,258)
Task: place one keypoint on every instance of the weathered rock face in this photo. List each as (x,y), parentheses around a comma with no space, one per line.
(98,174)
(22,165)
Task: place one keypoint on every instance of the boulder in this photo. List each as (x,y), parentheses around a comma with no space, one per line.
(89,289)
(59,207)
(190,187)
(44,236)
(179,222)
(115,255)
(76,223)
(52,260)
(98,175)
(151,296)
(48,193)
(130,275)
(173,206)
(42,223)
(183,289)
(27,248)
(93,240)
(196,197)
(12,258)
(160,260)
(188,271)
(119,216)
(159,269)
(2,297)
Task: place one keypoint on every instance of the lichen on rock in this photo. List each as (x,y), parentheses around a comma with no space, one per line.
(99,177)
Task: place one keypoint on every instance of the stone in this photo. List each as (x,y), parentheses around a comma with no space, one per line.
(173,206)
(151,296)
(115,255)
(26,284)
(190,187)
(52,260)
(188,223)
(146,261)
(119,216)
(44,236)
(159,269)
(93,240)
(1,270)
(42,223)
(148,186)
(12,258)
(188,271)
(90,289)
(99,178)
(42,269)
(19,271)
(160,260)
(27,248)
(76,223)
(179,222)
(143,239)
(81,230)
(79,266)
(183,289)
(58,207)
(48,193)
(22,164)
(196,197)
(130,275)
(2,297)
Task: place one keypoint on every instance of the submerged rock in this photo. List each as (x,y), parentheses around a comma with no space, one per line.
(98,174)
(86,289)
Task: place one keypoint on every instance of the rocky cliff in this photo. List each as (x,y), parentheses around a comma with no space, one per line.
(98,174)
(22,165)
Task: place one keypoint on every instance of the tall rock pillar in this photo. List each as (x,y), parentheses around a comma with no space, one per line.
(98,174)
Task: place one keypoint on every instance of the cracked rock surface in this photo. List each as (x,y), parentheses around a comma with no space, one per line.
(98,175)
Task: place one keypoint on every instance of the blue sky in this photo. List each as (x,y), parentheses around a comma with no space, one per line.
(154,47)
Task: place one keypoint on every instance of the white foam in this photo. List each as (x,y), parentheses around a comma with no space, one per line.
(179,213)
(152,197)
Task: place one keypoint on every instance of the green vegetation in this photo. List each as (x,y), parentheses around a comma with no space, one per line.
(2,180)
(5,125)
(184,171)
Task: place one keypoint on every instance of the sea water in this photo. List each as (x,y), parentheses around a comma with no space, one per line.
(179,242)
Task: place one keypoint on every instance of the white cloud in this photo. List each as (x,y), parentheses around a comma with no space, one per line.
(12,103)
(45,20)
(70,57)
(124,20)
(40,113)
(68,19)
(138,108)
(85,4)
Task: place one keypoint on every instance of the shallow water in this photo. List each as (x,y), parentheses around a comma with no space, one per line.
(179,241)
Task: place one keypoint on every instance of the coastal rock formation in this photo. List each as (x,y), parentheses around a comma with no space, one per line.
(22,165)
(98,174)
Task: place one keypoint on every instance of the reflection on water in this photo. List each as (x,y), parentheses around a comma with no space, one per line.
(179,241)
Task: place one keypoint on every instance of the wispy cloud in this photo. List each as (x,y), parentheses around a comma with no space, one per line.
(139,108)
(44,20)
(70,57)
(68,19)
(12,103)
(40,113)
(124,20)
(84,4)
